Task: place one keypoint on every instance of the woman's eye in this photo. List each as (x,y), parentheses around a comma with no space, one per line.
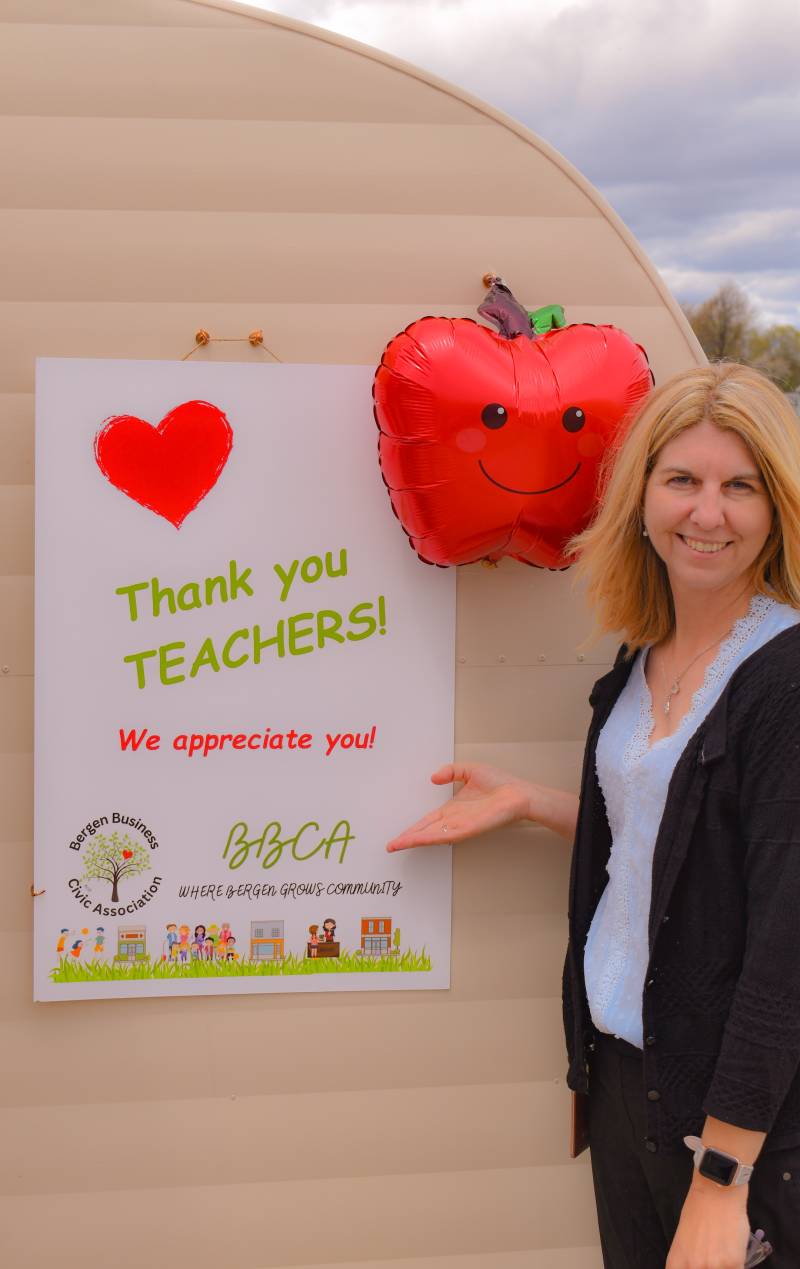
(737,484)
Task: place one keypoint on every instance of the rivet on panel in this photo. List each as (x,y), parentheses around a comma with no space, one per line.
(462,660)
(502,658)
(5,669)
(541,657)
(581,656)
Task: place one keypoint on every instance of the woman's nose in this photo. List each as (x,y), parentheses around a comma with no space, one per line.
(708,511)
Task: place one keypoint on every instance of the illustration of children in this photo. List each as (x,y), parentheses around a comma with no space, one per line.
(329,930)
(171,942)
(313,940)
(213,934)
(230,949)
(224,935)
(208,948)
(198,943)
(183,943)
(76,948)
(62,938)
(99,940)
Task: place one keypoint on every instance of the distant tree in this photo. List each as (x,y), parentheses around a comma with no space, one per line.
(776,352)
(724,324)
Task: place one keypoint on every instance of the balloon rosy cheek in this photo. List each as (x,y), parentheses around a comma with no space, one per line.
(590,445)
(470,440)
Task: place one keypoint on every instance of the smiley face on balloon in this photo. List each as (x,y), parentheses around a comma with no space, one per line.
(490,441)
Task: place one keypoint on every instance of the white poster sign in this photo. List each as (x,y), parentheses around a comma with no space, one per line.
(244,678)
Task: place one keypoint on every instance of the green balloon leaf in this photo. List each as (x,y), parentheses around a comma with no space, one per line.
(551,317)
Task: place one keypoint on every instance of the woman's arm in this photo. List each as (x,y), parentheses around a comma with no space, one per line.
(760,1052)
(714,1227)
(487,799)
(556,809)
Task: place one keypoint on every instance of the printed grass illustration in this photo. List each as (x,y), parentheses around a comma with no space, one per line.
(114,859)
(346,963)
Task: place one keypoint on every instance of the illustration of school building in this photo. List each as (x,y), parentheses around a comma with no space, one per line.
(266,941)
(376,936)
(131,943)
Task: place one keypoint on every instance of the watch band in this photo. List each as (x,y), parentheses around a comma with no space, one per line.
(741,1176)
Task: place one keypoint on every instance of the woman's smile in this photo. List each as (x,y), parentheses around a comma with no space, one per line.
(700,547)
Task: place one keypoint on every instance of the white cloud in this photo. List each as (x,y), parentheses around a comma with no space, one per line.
(684,113)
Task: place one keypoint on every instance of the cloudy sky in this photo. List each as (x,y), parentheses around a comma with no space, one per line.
(685,114)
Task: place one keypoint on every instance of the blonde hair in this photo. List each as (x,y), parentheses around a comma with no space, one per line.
(628,584)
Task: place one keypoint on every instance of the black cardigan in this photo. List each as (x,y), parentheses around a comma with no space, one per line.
(721,1004)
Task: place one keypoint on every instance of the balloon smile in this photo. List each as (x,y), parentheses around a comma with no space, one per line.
(527,492)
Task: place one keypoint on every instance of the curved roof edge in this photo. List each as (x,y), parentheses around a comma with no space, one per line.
(499,116)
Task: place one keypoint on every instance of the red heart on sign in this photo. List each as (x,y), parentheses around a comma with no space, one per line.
(169,468)
(126,854)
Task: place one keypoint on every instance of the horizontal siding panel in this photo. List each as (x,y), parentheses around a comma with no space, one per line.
(16,798)
(506,617)
(16,625)
(178,13)
(234,256)
(193,164)
(509,702)
(16,437)
(268,1224)
(376,1133)
(369,1041)
(518,872)
(16,903)
(550,1258)
(16,714)
(550,762)
(16,530)
(129,71)
(328,333)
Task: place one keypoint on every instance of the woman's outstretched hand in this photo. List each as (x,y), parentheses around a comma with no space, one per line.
(488,798)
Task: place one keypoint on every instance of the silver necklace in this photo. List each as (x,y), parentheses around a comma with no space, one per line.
(676,684)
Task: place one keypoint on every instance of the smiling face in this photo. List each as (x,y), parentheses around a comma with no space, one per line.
(707,510)
(491,446)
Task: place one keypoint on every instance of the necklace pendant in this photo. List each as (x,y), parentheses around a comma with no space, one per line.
(667,703)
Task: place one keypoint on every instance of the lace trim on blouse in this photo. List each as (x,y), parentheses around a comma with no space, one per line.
(636,749)
(716,673)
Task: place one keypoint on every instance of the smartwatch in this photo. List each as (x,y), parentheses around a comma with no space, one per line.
(723,1168)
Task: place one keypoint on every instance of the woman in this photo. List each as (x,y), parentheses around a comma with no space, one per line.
(682,978)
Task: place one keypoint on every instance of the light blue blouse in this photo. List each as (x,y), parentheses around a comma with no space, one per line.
(634,777)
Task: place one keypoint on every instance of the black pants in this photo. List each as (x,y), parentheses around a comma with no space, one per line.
(640,1195)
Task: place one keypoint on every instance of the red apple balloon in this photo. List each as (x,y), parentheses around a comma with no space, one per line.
(490,441)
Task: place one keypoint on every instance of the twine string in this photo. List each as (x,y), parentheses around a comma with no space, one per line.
(255,339)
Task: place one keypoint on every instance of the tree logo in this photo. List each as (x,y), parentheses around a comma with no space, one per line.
(114,859)
(113,851)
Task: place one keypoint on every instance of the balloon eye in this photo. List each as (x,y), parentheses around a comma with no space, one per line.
(494,415)
(573,419)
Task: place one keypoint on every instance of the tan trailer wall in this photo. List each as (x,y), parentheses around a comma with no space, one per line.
(169,165)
